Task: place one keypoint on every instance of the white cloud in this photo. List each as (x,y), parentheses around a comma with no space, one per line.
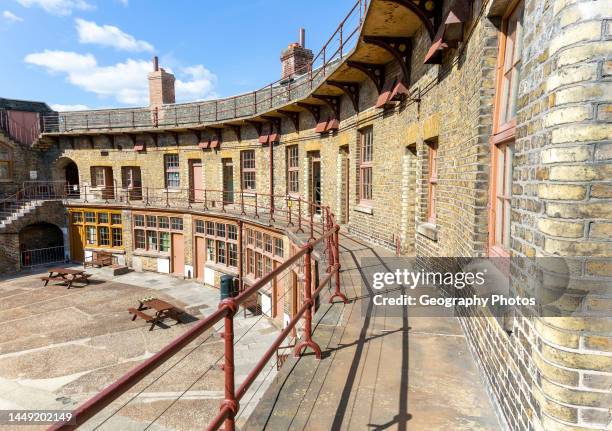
(11,17)
(201,85)
(58,7)
(125,81)
(63,108)
(109,35)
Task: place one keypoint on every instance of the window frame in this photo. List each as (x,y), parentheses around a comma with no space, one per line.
(503,131)
(365,191)
(223,235)
(248,170)
(502,139)
(151,224)
(262,246)
(171,168)
(106,172)
(293,170)
(8,162)
(97,225)
(432,180)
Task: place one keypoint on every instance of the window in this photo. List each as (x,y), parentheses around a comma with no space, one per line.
(101,176)
(293,170)
(247,169)
(432,180)
(6,166)
(365,165)
(263,248)
(221,242)
(171,171)
(152,233)
(504,131)
(509,69)
(102,228)
(130,177)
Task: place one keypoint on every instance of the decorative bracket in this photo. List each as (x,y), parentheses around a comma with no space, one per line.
(425,10)
(71,139)
(315,110)
(236,129)
(399,47)
(293,116)
(351,89)
(154,137)
(375,72)
(332,102)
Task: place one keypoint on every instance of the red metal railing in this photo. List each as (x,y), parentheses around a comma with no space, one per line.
(327,236)
(16,131)
(31,191)
(273,95)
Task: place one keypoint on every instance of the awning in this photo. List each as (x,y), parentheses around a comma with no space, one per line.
(450,32)
(331,123)
(203,145)
(139,147)
(263,139)
(274,137)
(214,143)
(393,90)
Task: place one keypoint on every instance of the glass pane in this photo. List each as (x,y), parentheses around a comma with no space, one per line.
(90,217)
(506,233)
(152,240)
(91,235)
(164,241)
(499,219)
(117,237)
(116,218)
(104,237)
(103,218)
(163,222)
(151,221)
(210,250)
(508,171)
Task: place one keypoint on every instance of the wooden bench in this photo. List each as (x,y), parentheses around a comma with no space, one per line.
(144,316)
(55,278)
(99,258)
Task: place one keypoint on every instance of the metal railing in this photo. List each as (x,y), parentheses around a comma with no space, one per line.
(284,208)
(32,191)
(16,131)
(42,256)
(273,95)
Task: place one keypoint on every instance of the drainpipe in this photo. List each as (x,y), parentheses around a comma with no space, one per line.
(271,180)
(240,263)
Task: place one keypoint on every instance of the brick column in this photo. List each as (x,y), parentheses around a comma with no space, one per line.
(562,192)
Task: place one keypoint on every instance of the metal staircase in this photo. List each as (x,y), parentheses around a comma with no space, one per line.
(29,197)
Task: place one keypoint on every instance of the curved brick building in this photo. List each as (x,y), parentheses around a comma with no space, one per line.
(456,129)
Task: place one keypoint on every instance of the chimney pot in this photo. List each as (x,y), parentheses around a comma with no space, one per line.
(303,38)
(155,64)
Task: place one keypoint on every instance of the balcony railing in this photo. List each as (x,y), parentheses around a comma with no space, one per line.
(270,97)
(296,214)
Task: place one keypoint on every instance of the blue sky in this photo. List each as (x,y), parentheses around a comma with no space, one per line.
(96,53)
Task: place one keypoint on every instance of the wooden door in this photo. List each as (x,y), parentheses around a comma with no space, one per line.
(228,181)
(77,243)
(200,257)
(177,248)
(109,185)
(195,181)
(315,181)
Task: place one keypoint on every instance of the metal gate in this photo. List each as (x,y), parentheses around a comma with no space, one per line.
(42,256)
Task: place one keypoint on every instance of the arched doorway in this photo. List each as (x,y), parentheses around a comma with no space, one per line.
(65,169)
(71,171)
(41,243)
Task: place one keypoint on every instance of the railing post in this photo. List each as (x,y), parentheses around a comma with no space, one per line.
(324,60)
(147,197)
(300,215)
(242,202)
(205,201)
(288,204)
(255,102)
(223,200)
(199,116)
(216,109)
(307,341)
(235,108)
(256,209)
(311,205)
(230,402)
(341,27)
(175,116)
(336,251)
(271,95)
(167,204)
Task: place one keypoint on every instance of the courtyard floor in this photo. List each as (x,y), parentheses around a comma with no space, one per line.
(59,347)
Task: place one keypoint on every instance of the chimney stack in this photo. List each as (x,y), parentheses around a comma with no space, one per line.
(161,86)
(296,59)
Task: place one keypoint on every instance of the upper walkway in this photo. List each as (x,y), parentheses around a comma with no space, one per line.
(378,372)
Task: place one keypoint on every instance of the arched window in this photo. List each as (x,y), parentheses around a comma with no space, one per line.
(5,162)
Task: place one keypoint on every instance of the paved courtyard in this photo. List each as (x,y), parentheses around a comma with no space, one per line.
(59,347)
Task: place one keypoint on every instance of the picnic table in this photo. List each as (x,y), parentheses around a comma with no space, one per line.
(66,276)
(162,309)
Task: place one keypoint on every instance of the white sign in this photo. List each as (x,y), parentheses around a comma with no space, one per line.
(33,175)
